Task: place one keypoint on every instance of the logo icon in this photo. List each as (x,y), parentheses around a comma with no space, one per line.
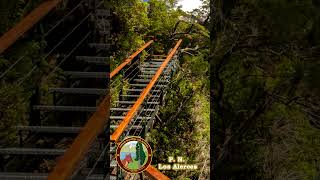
(134,154)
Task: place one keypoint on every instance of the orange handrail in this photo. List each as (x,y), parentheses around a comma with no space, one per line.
(73,156)
(129,59)
(11,36)
(155,174)
(124,123)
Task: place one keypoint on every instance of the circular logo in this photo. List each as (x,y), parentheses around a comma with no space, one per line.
(134,155)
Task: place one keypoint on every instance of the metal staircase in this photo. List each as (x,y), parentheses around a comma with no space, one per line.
(85,71)
(145,116)
(68,137)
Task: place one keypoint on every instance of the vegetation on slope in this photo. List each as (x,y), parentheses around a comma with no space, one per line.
(265,91)
(184,126)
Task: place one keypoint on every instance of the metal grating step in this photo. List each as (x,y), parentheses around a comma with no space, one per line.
(132,102)
(152,63)
(79,74)
(105,33)
(140,90)
(148,65)
(149,76)
(113,163)
(31,151)
(128,109)
(57,129)
(132,127)
(113,177)
(65,108)
(145,85)
(159,55)
(49,129)
(149,69)
(148,80)
(22,176)
(36,176)
(91,91)
(148,72)
(136,96)
(122,117)
(94,60)
(158,60)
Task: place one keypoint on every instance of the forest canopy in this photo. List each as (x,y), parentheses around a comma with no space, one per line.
(265,94)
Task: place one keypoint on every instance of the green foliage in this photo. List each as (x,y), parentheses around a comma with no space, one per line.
(14,106)
(13,10)
(162,17)
(265,94)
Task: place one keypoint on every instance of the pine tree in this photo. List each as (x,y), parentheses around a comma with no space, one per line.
(141,156)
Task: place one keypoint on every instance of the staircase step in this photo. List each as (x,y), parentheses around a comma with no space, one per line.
(79,74)
(132,102)
(136,96)
(140,90)
(152,63)
(100,46)
(65,108)
(113,163)
(132,127)
(159,60)
(113,177)
(36,176)
(23,176)
(91,91)
(159,56)
(122,117)
(149,69)
(148,76)
(150,66)
(145,85)
(113,151)
(94,60)
(59,129)
(148,72)
(105,33)
(148,80)
(128,109)
(49,129)
(96,177)
(31,151)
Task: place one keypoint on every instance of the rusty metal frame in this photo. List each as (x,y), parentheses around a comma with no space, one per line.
(11,36)
(129,59)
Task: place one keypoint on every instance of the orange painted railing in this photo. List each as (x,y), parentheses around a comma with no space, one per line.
(154,173)
(26,23)
(129,59)
(124,123)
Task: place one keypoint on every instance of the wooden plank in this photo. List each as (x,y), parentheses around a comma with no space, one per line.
(154,174)
(124,123)
(128,60)
(73,156)
(26,23)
